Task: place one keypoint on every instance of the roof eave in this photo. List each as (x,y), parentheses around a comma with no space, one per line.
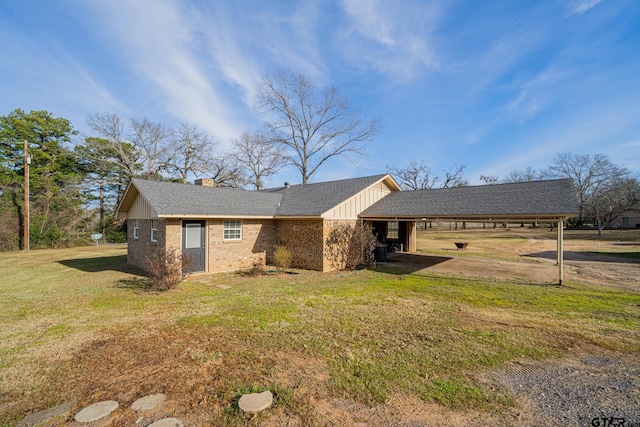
(298,217)
(126,201)
(216,216)
(471,218)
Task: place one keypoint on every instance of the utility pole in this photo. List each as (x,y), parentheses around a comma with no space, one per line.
(27,162)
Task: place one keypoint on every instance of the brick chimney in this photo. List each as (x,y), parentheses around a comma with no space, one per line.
(205,182)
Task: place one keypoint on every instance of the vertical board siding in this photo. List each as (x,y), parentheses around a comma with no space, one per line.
(140,209)
(351,208)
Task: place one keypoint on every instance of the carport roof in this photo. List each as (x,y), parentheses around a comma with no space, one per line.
(539,200)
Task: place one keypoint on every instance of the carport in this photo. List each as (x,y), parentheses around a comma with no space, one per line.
(550,202)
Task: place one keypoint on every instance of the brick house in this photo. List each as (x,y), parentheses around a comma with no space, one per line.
(225,229)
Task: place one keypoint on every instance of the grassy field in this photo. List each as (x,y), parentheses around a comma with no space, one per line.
(80,325)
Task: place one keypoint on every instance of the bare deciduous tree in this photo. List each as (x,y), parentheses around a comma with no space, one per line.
(453,177)
(489,179)
(589,173)
(226,172)
(612,197)
(258,157)
(418,176)
(526,175)
(111,127)
(312,124)
(151,140)
(190,151)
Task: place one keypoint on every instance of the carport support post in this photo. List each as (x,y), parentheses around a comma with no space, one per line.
(412,232)
(560,251)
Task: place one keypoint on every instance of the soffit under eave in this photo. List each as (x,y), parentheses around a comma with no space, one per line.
(130,196)
(389,178)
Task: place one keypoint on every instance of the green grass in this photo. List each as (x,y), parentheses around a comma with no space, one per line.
(367,335)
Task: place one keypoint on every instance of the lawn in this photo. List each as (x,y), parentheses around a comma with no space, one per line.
(80,325)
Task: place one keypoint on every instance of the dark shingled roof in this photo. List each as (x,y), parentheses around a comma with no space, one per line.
(316,199)
(170,198)
(537,198)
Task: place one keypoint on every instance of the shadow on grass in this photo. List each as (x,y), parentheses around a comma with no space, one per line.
(113,263)
(97,264)
(135,283)
(614,257)
(403,263)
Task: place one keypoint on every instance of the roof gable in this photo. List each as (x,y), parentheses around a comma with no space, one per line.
(316,199)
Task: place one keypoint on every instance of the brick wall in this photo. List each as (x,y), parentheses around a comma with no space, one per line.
(138,250)
(257,245)
(304,238)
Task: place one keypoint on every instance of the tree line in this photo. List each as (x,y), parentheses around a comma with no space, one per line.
(604,189)
(77,181)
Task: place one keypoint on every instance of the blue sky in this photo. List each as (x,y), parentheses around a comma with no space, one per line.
(494,85)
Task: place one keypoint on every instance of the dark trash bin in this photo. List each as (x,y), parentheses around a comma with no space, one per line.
(380,253)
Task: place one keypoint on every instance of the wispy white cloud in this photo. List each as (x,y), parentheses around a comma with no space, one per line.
(246,43)
(45,75)
(578,7)
(391,38)
(536,94)
(632,144)
(164,49)
(206,61)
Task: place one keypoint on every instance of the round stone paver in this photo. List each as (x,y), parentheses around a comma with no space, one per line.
(167,422)
(44,415)
(255,402)
(148,402)
(96,411)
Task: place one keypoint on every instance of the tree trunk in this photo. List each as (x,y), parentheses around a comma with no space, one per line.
(101,203)
(20,214)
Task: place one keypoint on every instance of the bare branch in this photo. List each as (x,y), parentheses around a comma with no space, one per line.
(190,151)
(258,158)
(312,125)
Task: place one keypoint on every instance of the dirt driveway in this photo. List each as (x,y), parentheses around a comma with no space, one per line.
(541,268)
(529,256)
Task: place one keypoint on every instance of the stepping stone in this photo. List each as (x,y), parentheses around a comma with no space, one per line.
(167,422)
(44,415)
(255,402)
(96,411)
(148,402)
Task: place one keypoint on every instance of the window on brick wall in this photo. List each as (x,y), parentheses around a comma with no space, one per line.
(232,229)
(154,230)
(135,228)
(625,221)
